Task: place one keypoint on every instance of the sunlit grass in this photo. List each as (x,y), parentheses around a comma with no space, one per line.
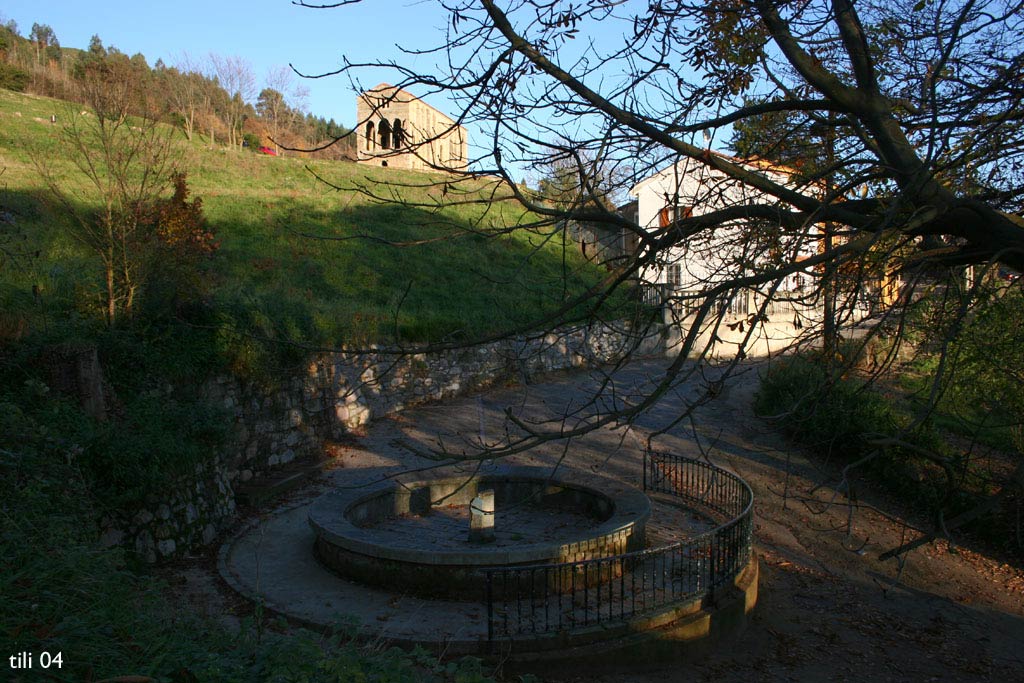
(304,262)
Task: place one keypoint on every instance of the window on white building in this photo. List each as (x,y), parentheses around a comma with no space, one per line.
(672,213)
(674,274)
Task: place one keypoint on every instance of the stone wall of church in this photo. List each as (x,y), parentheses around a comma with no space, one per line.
(397,130)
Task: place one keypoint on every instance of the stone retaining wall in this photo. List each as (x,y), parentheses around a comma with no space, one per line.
(334,395)
(191,515)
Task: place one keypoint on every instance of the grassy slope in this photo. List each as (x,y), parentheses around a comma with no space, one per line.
(271,277)
(269,280)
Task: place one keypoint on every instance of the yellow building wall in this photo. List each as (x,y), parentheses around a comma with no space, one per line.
(430,141)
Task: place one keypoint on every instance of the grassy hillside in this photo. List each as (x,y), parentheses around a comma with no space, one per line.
(272,276)
(300,265)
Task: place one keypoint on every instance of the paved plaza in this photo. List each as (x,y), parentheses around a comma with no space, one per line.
(272,558)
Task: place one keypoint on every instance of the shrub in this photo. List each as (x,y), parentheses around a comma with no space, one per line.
(841,417)
(989,375)
(182,226)
(13,78)
(159,439)
(824,411)
(177,282)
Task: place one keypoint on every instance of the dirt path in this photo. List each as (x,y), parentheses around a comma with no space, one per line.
(828,609)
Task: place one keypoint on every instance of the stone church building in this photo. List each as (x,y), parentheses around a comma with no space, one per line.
(398,130)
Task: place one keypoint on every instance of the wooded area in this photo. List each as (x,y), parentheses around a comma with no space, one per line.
(216,97)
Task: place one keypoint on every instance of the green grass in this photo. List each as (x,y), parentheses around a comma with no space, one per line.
(299,261)
(982,390)
(990,425)
(300,265)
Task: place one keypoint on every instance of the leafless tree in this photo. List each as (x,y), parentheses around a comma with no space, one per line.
(919,105)
(236,77)
(280,102)
(128,163)
(188,94)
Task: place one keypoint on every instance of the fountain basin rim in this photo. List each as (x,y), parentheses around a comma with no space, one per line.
(327,517)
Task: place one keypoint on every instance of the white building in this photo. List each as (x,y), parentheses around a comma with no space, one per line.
(735,249)
(690,188)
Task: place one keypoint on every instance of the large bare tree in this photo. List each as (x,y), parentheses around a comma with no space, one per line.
(188,92)
(913,111)
(235,75)
(125,161)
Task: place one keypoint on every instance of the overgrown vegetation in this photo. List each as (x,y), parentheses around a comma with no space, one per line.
(841,417)
(832,414)
(979,396)
(942,430)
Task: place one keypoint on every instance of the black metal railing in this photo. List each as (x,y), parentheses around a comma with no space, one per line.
(740,303)
(654,293)
(561,598)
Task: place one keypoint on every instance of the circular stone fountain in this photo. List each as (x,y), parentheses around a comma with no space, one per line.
(415,535)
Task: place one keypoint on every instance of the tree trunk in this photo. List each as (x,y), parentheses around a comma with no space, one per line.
(829,330)
(111,294)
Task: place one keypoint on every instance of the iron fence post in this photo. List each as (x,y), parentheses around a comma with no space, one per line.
(712,568)
(490,613)
(645,469)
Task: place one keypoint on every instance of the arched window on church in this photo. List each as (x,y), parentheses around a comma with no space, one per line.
(397,134)
(385,134)
(371,139)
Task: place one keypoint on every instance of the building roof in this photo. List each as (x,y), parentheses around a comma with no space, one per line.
(753,163)
(387,86)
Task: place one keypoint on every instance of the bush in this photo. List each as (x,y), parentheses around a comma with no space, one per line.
(252,141)
(159,439)
(181,225)
(841,417)
(822,411)
(177,282)
(263,335)
(13,78)
(989,374)
(157,427)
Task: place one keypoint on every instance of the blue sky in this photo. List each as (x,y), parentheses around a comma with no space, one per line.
(268,33)
(274,33)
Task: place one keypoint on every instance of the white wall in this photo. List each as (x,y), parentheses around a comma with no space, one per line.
(719,255)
